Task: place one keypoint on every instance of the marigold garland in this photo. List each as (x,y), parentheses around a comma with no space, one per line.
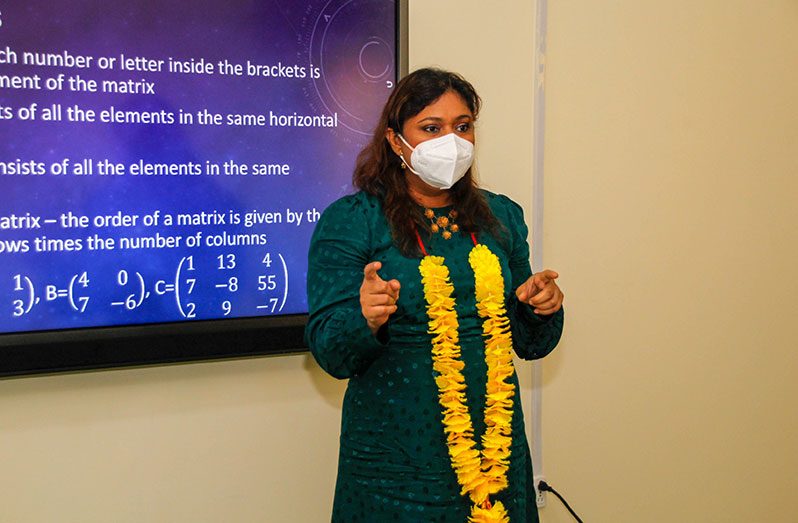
(480,473)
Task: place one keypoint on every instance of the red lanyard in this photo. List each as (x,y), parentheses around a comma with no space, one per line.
(421,243)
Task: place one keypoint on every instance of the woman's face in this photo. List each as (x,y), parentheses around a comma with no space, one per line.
(447,114)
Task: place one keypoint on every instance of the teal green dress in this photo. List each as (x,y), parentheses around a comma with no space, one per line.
(393,462)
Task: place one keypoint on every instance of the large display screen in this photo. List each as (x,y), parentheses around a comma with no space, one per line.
(165,162)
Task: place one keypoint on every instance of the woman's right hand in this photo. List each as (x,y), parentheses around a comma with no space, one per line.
(377,297)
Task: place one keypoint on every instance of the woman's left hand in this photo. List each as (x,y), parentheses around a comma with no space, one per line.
(541,292)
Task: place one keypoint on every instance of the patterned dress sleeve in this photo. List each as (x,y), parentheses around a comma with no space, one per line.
(534,336)
(337,333)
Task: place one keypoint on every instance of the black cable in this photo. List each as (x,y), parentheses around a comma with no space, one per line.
(545,487)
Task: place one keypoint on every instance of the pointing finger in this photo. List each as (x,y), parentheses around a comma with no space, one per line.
(370,271)
(548,274)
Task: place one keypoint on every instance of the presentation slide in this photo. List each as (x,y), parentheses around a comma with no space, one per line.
(166,161)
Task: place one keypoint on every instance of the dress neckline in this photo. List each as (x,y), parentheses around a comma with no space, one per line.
(424,249)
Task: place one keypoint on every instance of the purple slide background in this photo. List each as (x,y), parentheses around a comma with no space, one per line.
(352,42)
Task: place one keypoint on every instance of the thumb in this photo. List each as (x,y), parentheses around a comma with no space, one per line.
(523,290)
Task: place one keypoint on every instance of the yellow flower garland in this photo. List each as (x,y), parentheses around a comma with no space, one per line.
(480,474)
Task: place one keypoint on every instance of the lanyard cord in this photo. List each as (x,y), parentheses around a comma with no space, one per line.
(421,243)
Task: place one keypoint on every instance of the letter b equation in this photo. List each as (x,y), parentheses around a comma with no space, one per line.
(194,287)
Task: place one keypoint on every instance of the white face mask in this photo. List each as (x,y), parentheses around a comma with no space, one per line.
(442,161)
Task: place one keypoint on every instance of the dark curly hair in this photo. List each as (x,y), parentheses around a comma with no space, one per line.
(378,171)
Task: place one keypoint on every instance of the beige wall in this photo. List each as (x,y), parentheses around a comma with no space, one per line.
(241,441)
(465,37)
(670,181)
(671,185)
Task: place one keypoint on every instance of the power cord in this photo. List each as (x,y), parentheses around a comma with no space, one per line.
(545,487)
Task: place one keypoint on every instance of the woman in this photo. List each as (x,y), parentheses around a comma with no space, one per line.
(419,289)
